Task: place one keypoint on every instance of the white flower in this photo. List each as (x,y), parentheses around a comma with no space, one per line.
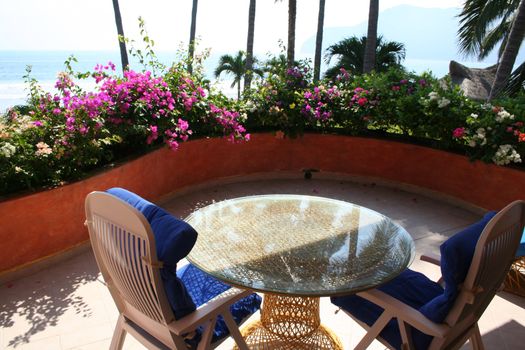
(505,155)
(43,149)
(443,102)
(7,150)
(503,114)
(472,143)
(480,133)
(433,96)
(474,115)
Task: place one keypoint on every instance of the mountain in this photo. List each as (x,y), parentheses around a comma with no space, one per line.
(429,34)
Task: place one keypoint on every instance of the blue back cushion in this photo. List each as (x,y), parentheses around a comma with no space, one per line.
(174,239)
(456,256)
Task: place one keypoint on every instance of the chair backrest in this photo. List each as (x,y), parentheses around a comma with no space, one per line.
(492,259)
(124,248)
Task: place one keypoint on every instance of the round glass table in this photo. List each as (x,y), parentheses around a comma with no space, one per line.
(296,249)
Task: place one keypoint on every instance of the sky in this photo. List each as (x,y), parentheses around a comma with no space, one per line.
(75,25)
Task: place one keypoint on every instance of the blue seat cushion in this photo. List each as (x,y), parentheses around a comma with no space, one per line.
(521,248)
(411,288)
(456,256)
(174,239)
(202,287)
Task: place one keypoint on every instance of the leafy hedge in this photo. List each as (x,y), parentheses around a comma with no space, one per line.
(61,136)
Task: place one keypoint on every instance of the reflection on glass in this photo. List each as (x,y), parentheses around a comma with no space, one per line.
(300,245)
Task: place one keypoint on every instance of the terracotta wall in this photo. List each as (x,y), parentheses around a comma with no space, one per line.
(45,223)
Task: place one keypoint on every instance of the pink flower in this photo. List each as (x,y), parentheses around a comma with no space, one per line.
(458,133)
(362,101)
(395,88)
(521,137)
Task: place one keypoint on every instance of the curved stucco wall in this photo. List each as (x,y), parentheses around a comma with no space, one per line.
(45,223)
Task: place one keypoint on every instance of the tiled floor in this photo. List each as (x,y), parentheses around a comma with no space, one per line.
(67,306)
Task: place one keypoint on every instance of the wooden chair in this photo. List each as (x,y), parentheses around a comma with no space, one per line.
(413,312)
(125,251)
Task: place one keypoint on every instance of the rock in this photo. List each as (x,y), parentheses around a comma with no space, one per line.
(474,82)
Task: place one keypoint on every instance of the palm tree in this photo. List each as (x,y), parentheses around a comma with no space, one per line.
(508,57)
(235,66)
(249,45)
(292,15)
(191,45)
(120,31)
(484,24)
(370,48)
(350,54)
(319,41)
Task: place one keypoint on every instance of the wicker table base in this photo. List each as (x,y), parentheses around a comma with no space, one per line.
(290,323)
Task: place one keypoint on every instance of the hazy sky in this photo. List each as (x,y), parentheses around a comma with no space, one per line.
(221,24)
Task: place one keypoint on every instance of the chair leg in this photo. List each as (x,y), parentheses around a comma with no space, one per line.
(374,331)
(207,335)
(119,335)
(475,339)
(234,331)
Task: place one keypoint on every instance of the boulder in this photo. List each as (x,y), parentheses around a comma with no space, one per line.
(474,82)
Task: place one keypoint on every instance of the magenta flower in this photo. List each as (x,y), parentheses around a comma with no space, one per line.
(458,133)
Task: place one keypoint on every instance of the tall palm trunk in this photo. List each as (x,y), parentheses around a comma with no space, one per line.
(249,45)
(191,45)
(369,59)
(239,90)
(120,31)
(319,41)
(511,51)
(292,14)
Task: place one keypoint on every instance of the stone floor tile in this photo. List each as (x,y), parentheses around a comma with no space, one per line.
(67,306)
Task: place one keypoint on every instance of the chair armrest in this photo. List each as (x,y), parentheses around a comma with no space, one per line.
(431,258)
(210,310)
(405,312)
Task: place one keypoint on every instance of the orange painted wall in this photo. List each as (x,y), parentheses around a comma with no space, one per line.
(47,222)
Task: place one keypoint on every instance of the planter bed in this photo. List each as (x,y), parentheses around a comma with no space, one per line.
(43,224)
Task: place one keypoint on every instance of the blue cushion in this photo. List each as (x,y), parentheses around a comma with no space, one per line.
(202,287)
(521,249)
(410,287)
(456,256)
(174,239)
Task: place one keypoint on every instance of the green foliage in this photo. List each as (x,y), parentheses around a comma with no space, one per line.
(350,55)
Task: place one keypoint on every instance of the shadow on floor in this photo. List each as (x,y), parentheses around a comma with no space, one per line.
(41,300)
(510,335)
(513,298)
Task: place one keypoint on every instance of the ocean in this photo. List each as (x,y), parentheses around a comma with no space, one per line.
(46,64)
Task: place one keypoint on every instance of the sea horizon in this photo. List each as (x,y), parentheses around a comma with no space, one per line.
(46,64)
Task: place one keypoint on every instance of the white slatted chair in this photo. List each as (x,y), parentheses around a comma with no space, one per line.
(399,314)
(124,247)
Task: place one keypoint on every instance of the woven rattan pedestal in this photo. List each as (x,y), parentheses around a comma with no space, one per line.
(290,323)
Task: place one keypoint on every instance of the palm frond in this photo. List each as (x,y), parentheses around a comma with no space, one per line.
(493,37)
(516,81)
(477,19)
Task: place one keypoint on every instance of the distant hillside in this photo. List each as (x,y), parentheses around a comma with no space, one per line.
(428,33)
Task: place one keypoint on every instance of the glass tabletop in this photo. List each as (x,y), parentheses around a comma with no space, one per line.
(298,245)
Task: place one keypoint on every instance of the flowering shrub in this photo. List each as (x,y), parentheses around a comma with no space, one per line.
(494,135)
(61,136)
(393,102)
(277,100)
